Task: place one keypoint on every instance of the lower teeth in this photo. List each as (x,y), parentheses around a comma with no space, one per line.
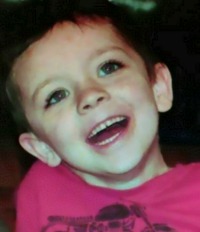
(108,140)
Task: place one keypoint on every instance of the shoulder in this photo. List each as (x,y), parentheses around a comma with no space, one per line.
(41,175)
(33,193)
(188,169)
(179,177)
(192,170)
(187,174)
(37,171)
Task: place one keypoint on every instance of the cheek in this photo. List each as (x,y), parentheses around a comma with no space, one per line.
(135,90)
(51,128)
(64,130)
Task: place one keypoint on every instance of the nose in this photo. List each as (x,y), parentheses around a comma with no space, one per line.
(91,98)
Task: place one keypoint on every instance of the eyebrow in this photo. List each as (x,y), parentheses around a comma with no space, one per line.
(101,51)
(41,86)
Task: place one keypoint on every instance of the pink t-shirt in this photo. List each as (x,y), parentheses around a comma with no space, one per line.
(56,200)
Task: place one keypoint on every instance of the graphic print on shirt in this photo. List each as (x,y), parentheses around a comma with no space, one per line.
(112,218)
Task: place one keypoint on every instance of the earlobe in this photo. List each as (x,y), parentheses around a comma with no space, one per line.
(39,149)
(162,87)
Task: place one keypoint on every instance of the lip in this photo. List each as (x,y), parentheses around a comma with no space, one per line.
(122,133)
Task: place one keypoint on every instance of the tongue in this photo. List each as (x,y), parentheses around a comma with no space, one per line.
(107,133)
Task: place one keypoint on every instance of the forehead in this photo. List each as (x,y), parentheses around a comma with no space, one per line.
(66,42)
(83,33)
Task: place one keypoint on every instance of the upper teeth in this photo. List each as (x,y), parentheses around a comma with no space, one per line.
(104,125)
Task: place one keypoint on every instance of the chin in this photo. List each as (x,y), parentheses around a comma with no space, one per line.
(124,168)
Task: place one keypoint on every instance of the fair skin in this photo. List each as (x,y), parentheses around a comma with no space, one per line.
(76,77)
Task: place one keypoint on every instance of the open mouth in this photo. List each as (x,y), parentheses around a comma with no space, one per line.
(108,131)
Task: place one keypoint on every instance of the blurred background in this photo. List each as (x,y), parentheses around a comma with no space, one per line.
(177,39)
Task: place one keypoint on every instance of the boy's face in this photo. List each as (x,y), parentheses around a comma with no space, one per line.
(75,81)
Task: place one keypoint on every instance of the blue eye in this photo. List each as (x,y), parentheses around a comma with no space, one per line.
(56,97)
(109,68)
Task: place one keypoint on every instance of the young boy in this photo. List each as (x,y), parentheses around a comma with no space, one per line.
(86,96)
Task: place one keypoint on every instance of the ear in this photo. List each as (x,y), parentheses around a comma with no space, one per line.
(39,149)
(162,87)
